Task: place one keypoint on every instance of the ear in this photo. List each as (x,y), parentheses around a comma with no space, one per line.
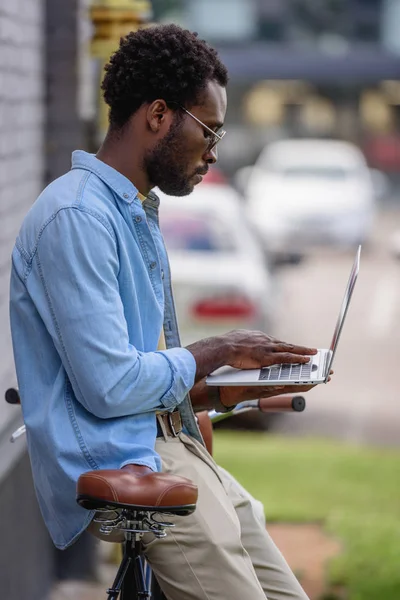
(159,116)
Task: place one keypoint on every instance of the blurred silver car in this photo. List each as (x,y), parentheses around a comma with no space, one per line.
(220,278)
(303,193)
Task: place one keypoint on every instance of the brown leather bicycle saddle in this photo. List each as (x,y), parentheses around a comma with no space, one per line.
(136,487)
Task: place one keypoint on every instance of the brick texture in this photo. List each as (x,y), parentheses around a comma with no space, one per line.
(39,127)
(21,146)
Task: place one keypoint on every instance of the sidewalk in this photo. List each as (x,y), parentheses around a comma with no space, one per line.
(306,547)
(71,590)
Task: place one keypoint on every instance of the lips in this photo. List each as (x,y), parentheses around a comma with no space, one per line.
(201,174)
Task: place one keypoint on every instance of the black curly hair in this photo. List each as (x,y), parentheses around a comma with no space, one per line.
(163,61)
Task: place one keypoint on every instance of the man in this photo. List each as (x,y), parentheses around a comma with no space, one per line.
(95,335)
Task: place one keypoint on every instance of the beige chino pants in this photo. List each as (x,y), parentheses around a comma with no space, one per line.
(221,551)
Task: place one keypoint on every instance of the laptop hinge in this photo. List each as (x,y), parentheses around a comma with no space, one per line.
(326,364)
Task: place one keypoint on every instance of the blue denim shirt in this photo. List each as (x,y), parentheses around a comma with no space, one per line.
(90,293)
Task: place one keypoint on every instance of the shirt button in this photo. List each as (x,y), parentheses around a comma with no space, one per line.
(153,265)
(162,273)
(138,219)
(126,195)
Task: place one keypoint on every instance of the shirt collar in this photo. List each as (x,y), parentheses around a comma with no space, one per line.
(115,180)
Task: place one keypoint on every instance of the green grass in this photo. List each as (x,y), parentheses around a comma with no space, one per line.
(353,490)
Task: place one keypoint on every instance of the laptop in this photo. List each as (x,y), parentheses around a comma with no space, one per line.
(315,371)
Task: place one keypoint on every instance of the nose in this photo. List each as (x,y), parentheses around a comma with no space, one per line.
(211,156)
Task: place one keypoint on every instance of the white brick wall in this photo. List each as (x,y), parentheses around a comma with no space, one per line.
(21,148)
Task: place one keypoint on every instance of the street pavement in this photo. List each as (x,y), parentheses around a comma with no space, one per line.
(362,402)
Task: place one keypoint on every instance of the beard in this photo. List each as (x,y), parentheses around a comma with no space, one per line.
(166,164)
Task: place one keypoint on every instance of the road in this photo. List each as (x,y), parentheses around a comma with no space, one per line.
(362,403)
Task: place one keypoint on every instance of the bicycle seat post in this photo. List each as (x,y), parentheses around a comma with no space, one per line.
(118,583)
(134,584)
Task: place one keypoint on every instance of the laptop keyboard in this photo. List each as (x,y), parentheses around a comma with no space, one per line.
(286,372)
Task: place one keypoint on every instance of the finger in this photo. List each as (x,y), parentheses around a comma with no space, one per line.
(304,388)
(288,357)
(296,389)
(272,390)
(284,347)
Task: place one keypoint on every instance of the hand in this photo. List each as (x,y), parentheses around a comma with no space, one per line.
(244,350)
(232,395)
(255,349)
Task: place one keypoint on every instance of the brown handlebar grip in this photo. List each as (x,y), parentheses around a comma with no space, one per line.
(282,404)
(12,396)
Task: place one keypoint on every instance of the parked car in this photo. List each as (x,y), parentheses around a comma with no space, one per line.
(303,193)
(220,278)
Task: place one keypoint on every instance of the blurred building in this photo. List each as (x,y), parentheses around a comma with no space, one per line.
(304,68)
(22,133)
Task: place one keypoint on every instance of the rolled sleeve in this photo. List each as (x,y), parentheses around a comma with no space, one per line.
(183,370)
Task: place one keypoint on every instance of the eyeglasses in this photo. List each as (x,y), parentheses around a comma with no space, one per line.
(216,137)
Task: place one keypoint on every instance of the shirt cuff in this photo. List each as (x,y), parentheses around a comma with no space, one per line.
(183,370)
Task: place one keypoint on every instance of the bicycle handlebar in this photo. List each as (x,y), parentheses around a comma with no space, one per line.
(264,405)
(282,404)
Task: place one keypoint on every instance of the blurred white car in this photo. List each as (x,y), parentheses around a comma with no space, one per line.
(304,192)
(219,275)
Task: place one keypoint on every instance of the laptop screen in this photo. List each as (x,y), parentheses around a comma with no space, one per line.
(345,305)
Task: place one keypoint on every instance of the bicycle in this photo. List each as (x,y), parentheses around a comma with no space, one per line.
(137,514)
